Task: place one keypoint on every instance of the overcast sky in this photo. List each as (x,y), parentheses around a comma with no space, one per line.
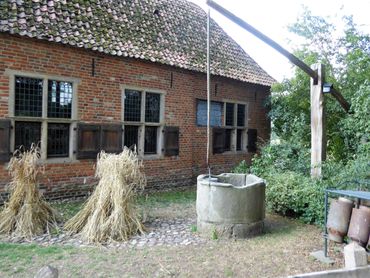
(272,17)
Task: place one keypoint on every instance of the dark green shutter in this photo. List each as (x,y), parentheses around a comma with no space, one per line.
(171,140)
(88,141)
(4,140)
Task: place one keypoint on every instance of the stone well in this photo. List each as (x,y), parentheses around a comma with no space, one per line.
(230,205)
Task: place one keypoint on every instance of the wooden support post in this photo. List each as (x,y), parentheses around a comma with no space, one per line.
(318,136)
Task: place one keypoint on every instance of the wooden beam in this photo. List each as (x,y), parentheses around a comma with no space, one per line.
(342,101)
(318,136)
(292,58)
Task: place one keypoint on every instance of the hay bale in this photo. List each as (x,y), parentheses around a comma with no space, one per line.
(109,213)
(26,214)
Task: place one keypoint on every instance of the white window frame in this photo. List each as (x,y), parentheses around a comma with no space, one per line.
(235,127)
(142,124)
(44,120)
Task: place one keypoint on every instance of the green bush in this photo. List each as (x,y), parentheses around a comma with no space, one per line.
(293,192)
(295,195)
(285,156)
(241,168)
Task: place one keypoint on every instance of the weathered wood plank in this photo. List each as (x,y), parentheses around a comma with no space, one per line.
(318,134)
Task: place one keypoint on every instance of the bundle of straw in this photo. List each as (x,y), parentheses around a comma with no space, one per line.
(26,214)
(109,213)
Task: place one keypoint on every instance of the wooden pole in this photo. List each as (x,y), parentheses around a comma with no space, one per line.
(208,91)
(318,136)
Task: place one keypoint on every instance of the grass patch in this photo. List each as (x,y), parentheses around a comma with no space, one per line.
(15,258)
(68,209)
(157,199)
(163,199)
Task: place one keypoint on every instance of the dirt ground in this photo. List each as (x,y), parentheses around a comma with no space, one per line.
(283,250)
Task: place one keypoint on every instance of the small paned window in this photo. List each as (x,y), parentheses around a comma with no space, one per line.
(215,113)
(44,104)
(58,140)
(150,144)
(228,134)
(152,107)
(241,115)
(59,99)
(132,109)
(239,137)
(234,132)
(28,97)
(26,134)
(131,136)
(229,117)
(143,107)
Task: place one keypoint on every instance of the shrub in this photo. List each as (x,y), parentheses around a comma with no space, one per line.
(285,156)
(292,192)
(295,195)
(241,168)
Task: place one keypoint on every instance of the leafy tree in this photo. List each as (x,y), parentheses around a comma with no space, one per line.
(347,61)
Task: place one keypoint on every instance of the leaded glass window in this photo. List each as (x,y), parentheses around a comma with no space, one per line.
(241,115)
(239,137)
(132,107)
(150,144)
(142,117)
(228,134)
(58,140)
(229,116)
(26,134)
(131,136)
(59,99)
(28,97)
(152,107)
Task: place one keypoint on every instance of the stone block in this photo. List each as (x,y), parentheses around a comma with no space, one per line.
(47,272)
(354,255)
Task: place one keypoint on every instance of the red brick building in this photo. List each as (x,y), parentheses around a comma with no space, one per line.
(84,76)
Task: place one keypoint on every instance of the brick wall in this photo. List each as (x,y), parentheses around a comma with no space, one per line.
(99,100)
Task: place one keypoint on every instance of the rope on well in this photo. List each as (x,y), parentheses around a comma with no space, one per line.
(208,94)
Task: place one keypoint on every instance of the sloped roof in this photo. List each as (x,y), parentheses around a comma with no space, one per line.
(171,32)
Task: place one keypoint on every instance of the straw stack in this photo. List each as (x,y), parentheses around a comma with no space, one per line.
(109,214)
(26,214)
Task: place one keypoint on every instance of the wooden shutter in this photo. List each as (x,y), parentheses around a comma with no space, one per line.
(111,138)
(4,140)
(252,140)
(218,140)
(171,140)
(88,141)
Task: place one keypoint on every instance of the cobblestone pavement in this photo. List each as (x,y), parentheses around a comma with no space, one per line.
(159,232)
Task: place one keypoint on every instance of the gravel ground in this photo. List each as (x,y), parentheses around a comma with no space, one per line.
(166,232)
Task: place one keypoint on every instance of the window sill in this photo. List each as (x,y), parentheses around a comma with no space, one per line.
(234,152)
(59,160)
(151,156)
